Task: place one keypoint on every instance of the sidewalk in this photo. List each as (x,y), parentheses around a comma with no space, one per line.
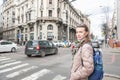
(110,76)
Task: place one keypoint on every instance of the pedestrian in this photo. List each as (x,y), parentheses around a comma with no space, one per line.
(83,64)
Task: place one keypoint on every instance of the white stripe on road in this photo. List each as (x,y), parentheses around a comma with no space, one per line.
(16,67)
(59,77)
(5,59)
(2,57)
(9,64)
(36,75)
(11,75)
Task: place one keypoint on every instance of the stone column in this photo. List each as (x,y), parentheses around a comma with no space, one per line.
(35,32)
(28,33)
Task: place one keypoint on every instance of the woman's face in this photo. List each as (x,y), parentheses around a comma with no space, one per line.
(81,33)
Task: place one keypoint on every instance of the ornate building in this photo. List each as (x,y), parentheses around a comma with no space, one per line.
(40,19)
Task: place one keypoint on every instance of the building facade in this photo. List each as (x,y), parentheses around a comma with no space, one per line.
(40,19)
(116,20)
(1,23)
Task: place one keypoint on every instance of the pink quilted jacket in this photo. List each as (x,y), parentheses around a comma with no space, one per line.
(83,64)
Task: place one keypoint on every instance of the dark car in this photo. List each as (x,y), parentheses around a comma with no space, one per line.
(95,44)
(40,47)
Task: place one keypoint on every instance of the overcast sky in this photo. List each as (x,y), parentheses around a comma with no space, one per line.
(1,1)
(95,8)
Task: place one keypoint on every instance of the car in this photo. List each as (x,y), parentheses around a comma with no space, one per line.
(7,46)
(40,47)
(56,43)
(95,44)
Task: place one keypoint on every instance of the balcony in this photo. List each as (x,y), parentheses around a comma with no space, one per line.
(31,21)
(21,25)
(49,19)
(8,28)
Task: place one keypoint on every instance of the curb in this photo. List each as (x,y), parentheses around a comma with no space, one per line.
(111,75)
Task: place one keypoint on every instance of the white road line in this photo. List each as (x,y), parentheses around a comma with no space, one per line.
(59,77)
(10,69)
(36,75)
(11,75)
(2,57)
(9,64)
(5,59)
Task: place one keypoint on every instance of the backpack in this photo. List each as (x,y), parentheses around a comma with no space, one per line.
(98,66)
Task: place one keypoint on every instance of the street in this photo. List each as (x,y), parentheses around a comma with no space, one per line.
(17,66)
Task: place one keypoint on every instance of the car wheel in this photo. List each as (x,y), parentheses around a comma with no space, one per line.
(43,54)
(28,55)
(13,49)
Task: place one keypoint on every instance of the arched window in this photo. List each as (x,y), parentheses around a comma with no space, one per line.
(50,27)
(50,1)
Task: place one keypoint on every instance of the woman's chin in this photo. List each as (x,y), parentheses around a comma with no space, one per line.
(78,38)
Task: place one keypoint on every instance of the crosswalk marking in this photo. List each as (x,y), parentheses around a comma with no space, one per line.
(9,64)
(36,75)
(4,59)
(59,77)
(3,62)
(11,75)
(16,67)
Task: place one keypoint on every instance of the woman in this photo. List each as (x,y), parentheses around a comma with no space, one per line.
(83,64)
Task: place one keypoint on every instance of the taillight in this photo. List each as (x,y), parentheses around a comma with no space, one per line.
(38,47)
(73,46)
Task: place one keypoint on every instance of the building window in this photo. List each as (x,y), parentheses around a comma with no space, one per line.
(31,36)
(40,35)
(29,15)
(41,13)
(26,5)
(25,30)
(22,8)
(50,1)
(22,17)
(18,19)
(49,35)
(41,2)
(40,27)
(50,13)
(22,30)
(31,29)
(25,37)
(50,27)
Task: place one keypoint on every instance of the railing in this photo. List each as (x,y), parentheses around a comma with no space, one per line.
(49,18)
(8,28)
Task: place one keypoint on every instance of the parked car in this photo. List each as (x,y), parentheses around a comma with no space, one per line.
(7,46)
(40,47)
(95,44)
(56,43)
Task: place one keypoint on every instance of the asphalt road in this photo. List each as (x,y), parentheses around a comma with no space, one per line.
(17,66)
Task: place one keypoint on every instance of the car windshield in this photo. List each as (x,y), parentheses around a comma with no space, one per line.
(43,43)
(32,43)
